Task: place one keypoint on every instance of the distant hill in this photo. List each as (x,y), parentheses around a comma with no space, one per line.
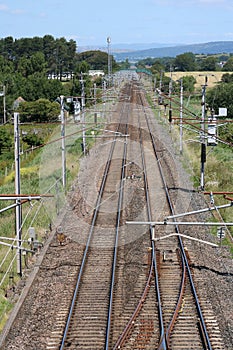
(215,47)
(122,47)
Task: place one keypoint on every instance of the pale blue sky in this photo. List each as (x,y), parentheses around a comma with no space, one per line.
(125,21)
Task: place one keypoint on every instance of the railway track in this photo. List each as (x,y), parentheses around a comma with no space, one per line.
(176,297)
(127,291)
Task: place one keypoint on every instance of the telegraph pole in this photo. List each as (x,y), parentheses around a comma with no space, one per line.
(63,147)
(18,209)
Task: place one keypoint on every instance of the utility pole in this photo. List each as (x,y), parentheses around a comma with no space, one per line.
(155,82)
(95,113)
(18,209)
(160,88)
(63,147)
(83,114)
(181,116)
(3,93)
(170,97)
(109,59)
(104,98)
(202,136)
(4,104)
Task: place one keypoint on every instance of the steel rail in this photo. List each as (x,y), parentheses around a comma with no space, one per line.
(202,321)
(94,217)
(119,212)
(164,336)
(153,268)
(161,323)
(124,335)
(179,302)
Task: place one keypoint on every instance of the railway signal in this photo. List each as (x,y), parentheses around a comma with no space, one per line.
(221,234)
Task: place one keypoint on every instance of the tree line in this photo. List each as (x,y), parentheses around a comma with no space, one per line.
(188,62)
(26,64)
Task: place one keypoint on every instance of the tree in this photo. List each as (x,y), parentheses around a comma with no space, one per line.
(41,110)
(157,67)
(38,62)
(228,66)
(185,62)
(227,78)
(209,64)
(32,139)
(125,64)
(6,67)
(221,96)
(96,60)
(5,140)
(189,83)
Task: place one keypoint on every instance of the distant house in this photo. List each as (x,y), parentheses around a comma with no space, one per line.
(96,73)
(17,102)
(65,76)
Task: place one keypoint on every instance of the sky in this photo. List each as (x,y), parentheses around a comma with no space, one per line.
(124,21)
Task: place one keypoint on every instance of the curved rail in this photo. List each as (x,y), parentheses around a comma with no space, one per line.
(203,329)
(161,323)
(123,337)
(153,268)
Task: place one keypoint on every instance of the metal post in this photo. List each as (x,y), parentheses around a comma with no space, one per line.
(104,99)
(181,116)
(18,209)
(160,88)
(203,145)
(95,113)
(4,104)
(109,59)
(83,113)
(63,150)
(155,82)
(170,97)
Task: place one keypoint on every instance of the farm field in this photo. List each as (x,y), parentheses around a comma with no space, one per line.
(213,77)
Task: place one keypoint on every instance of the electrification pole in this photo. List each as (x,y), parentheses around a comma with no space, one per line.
(4,104)
(83,114)
(18,209)
(3,93)
(95,113)
(203,144)
(170,97)
(109,59)
(63,147)
(155,82)
(104,98)
(181,116)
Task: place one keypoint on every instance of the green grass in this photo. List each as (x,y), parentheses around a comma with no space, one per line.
(5,308)
(40,169)
(219,164)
